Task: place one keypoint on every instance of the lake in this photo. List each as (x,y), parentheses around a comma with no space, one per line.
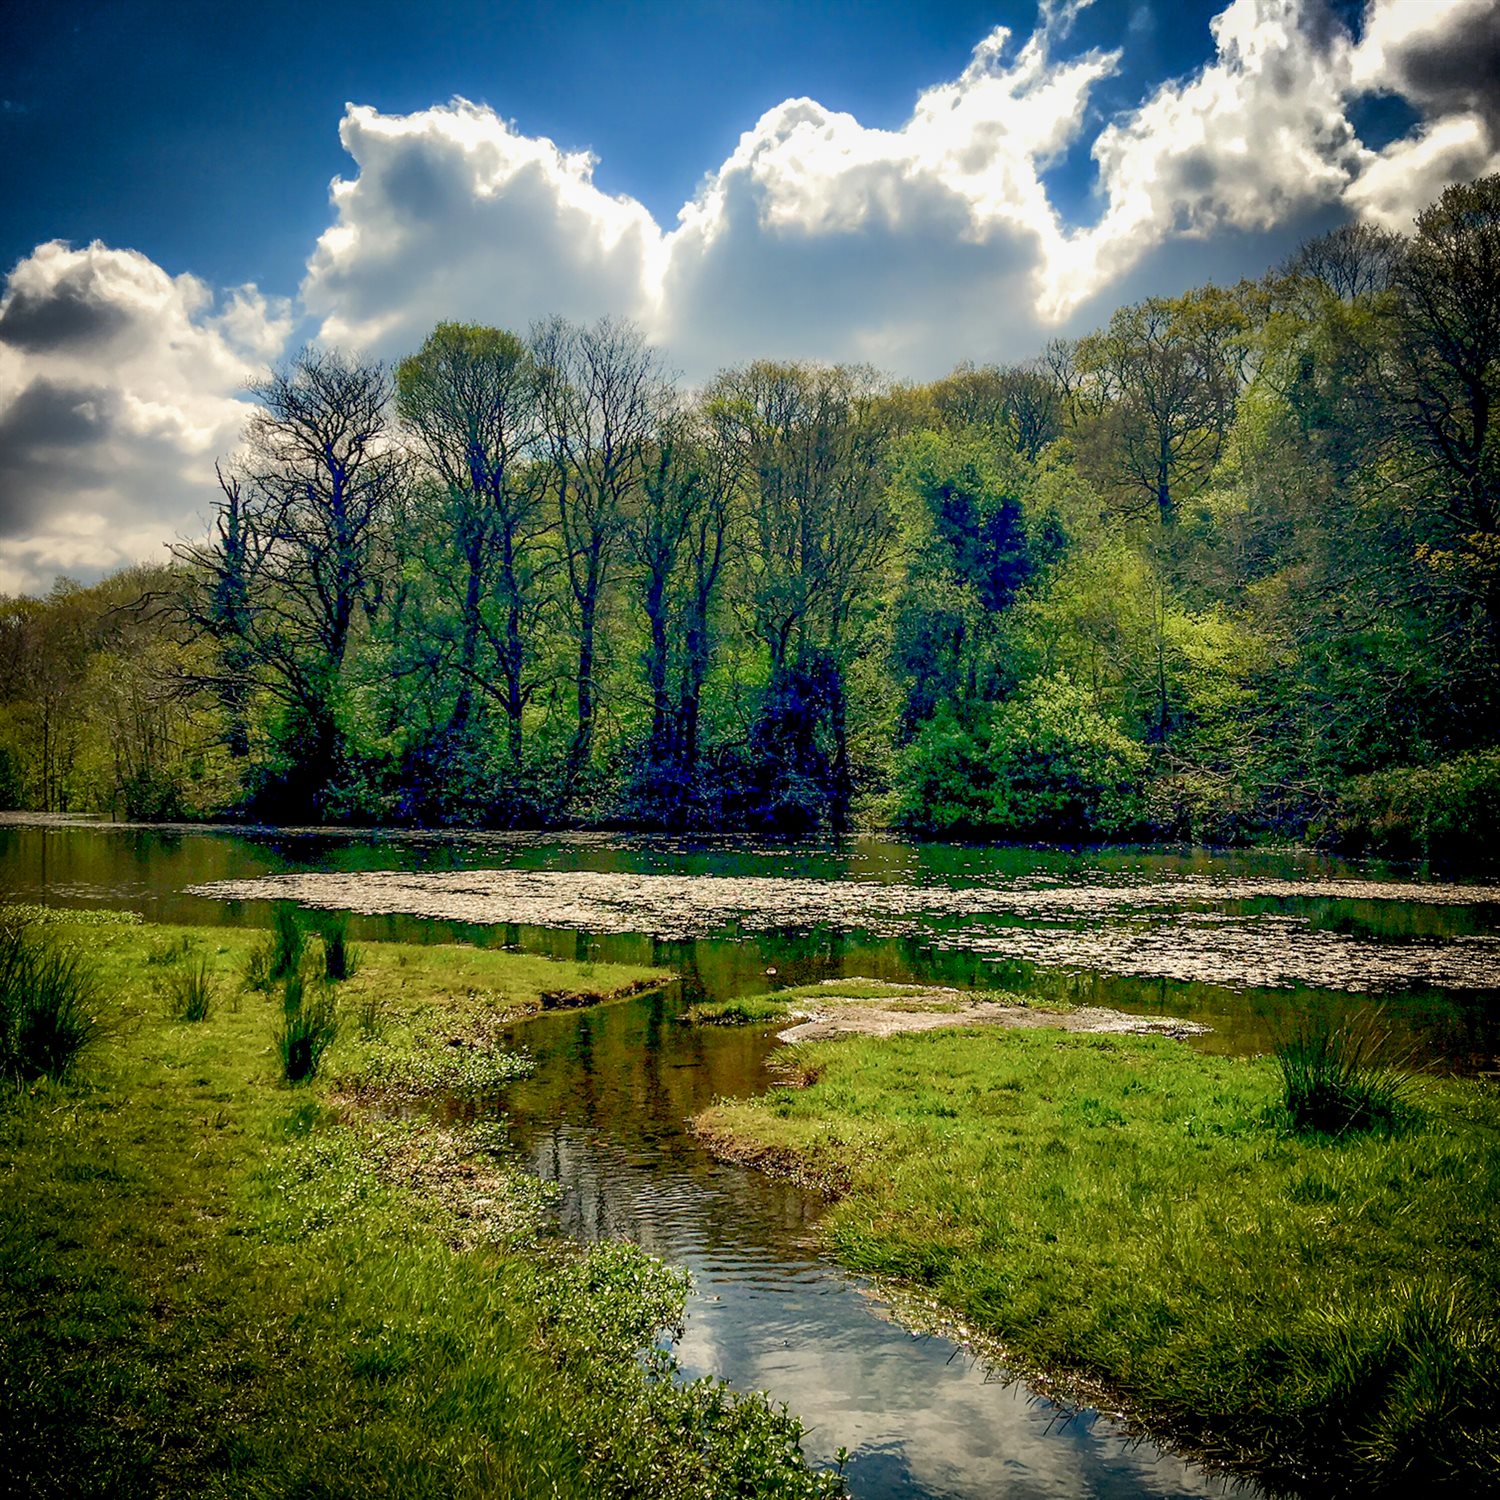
(1243,943)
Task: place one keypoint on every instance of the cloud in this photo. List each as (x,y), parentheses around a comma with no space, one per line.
(1442,57)
(1257,136)
(455,215)
(119,385)
(818,236)
(912,247)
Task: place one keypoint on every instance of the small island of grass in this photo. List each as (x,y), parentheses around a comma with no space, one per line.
(1320,1310)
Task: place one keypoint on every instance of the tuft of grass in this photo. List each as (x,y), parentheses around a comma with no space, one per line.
(190,990)
(288,941)
(49,996)
(741,1010)
(1332,1081)
(340,956)
(369,1018)
(256,973)
(307,1031)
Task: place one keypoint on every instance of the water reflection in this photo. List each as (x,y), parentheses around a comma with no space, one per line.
(604,1113)
(603,1117)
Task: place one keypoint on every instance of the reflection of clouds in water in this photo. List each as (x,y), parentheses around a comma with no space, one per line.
(1155,928)
(918,1415)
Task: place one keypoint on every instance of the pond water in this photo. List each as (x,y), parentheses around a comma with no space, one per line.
(1243,943)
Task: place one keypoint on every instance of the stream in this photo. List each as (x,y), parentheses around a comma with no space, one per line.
(1244,943)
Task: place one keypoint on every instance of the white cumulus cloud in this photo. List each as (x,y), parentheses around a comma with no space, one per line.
(119,384)
(819,236)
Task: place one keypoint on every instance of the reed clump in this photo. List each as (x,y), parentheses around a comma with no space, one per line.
(190,990)
(49,995)
(309,1027)
(1333,1081)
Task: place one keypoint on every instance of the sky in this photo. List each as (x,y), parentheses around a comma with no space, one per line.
(193,191)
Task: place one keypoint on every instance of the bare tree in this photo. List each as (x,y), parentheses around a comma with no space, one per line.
(296,558)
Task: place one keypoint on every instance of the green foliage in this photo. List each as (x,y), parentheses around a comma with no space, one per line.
(1332,1080)
(1257,525)
(1044,764)
(49,997)
(1453,807)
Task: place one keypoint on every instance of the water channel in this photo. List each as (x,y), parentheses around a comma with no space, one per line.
(1233,941)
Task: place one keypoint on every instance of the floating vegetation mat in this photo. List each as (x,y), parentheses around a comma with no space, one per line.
(1232,931)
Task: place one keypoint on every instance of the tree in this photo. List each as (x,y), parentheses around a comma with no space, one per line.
(602,391)
(677,532)
(811,441)
(1446,357)
(298,555)
(470,400)
(1169,373)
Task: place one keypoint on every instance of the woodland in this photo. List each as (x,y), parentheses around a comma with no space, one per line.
(1227,569)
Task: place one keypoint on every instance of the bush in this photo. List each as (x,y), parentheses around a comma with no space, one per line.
(1332,1082)
(1046,763)
(47,996)
(307,1030)
(190,991)
(1451,809)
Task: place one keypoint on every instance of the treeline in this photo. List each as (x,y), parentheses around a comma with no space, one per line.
(1228,567)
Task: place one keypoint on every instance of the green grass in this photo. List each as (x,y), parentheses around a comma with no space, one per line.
(212,1284)
(742,1010)
(1136,1213)
(762,1010)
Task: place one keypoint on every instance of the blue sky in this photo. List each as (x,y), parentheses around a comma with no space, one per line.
(192,190)
(206,135)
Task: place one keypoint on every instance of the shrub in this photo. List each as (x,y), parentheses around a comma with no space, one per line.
(47,995)
(1046,763)
(1333,1083)
(1451,809)
(190,990)
(308,1029)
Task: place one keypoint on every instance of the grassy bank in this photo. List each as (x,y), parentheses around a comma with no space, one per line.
(1126,1210)
(213,1282)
